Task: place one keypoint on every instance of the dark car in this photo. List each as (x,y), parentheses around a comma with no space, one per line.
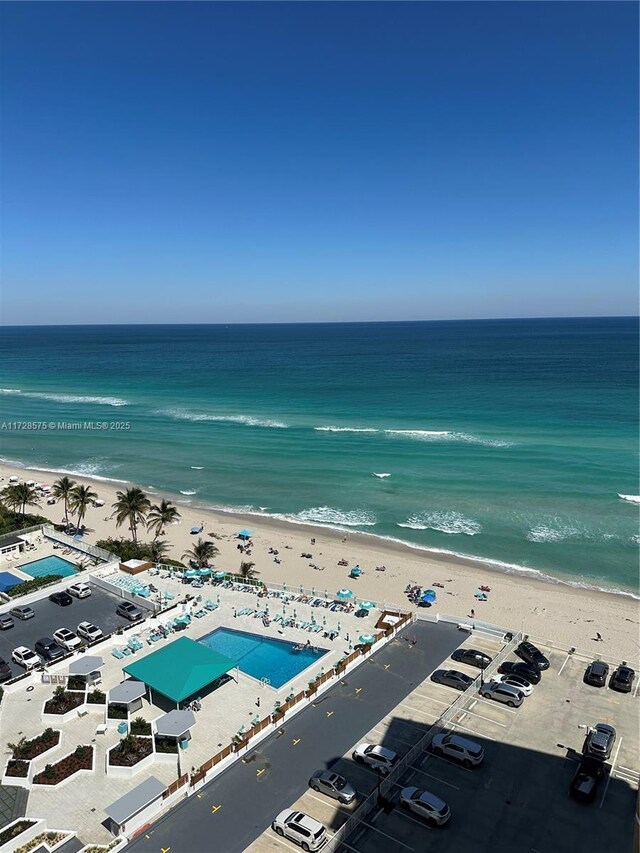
(587,778)
(6,621)
(472,657)
(61,598)
(531,673)
(596,673)
(5,670)
(531,654)
(599,742)
(452,678)
(48,649)
(622,679)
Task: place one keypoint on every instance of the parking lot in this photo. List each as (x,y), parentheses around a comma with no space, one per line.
(519,797)
(99,608)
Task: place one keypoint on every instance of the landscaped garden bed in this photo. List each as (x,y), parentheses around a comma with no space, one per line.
(76,682)
(140,727)
(96,697)
(27,750)
(13,831)
(54,774)
(130,751)
(166,744)
(117,712)
(63,701)
(48,840)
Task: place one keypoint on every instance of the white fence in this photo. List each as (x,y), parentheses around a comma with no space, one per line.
(77,544)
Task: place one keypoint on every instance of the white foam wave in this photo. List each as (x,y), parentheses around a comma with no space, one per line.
(444,522)
(188,492)
(197,467)
(632,499)
(87,470)
(344,429)
(548,533)
(381,476)
(67,398)
(200,417)
(446,435)
(331,515)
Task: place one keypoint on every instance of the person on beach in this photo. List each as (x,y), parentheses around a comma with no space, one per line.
(472,615)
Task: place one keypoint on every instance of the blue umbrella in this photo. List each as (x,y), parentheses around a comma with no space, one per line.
(367,605)
(429,596)
(204,572)
(344,593)
(367,639)
(192,573)
(244,533)
(219,575)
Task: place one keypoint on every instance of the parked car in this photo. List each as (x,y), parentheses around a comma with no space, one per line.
(587,779)
(375,756)
(599,742)
(472,657)
(88,631)
(622,679)
(531,654)
(49,649)
(22,612)
(452,678)
(505,693)
(6,621)
(333,785)
(25,657)
(531,673)
(80,590)
(5,670)
(515,681)
(309,833)
(426,805)
(67,639)
(596,673)
(129,611)
(61,598)
(461,749)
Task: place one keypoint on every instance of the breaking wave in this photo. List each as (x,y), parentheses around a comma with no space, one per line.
(66,398)
(344,429)
(632,499)
(422,435)
(549,533)
(444,522)
(330,515)
(188,492)
(245,420)
(381,476)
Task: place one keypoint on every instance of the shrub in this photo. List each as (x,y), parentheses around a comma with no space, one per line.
(125,549)
(15,830)
(32,585)
(140,727)
(96,697)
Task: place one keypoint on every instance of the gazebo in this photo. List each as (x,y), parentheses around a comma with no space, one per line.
(88,667)
(180,670)
(128,693)
(176,725)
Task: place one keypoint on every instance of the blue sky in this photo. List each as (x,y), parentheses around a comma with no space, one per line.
(204,162)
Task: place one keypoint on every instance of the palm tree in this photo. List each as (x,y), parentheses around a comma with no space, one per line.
(161,515)
(82,497)
(63,488)
(248,571)
(131,506)
(20,495)
(201,553)
(159,548)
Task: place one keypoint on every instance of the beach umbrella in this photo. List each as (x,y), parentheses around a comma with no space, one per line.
(192,573)
(429,596)
(244,533)
(204,573)
(367,605)
(220,575)
(367,639)
(344,594)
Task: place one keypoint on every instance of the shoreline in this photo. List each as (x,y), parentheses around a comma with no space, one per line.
(549,609)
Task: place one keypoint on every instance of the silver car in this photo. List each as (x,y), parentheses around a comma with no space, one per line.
(426,805)
(333,785)
(461,749)
(506,693)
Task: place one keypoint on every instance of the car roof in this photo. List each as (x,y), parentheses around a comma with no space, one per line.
(508,687)
(306,820)
(432,800)
(382,750)
(23,649)
(462,741)
(604,728)
(599,665)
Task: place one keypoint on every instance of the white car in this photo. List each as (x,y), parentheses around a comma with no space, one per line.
(67,639)
(378,757)
(80,590)
(461,749)
(516,681)
(88,631)
(25,657)
(299,827)
(425,805)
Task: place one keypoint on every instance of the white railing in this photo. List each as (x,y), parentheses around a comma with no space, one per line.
(78,544)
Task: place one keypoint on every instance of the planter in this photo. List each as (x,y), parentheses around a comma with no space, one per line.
(37,746)
(62,709)
(50,841)
(125,767)
(96,698)
(65,769)
(165,746)
(17,767)
(117,712)
(18,832)
(240,744)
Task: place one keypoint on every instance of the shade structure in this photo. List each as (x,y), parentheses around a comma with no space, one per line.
(127,691)
(192,573)
(344,593)
(244,533)
(85,665)
(180,669)
(367,605)
(429,596)
(135,800)
(204,573)
(175,723)
(220,575)
(367,639)
(8,581)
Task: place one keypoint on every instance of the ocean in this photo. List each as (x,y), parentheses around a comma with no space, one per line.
(512,441)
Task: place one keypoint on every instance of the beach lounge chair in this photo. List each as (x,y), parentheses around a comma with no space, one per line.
(135,644)
(117,654)
(126,650)
(200,613)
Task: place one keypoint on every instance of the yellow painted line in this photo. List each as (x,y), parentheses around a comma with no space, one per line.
(165,849)
(296,741)
(329,713)
(358,689)
(260,772)
(386,666)
(214,809)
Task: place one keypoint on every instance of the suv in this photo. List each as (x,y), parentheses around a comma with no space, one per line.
(531,673)
(467,752)
(61,598)
(381,759)
(80,590)
(426,805)
(531,654)
(6,621)
(88,631)
(622,679)
(49,649)
(129,611)
(25,657)
(596,673)
(599,742)
(299,827)
(452,678)
(505,693)
(67,639)
(473,657)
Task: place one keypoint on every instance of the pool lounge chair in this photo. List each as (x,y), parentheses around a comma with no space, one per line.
(210,605)
(117,654)
(135,644)
(126,651)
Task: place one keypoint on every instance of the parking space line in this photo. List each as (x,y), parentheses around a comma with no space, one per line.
(635,692)
(431,776)
(406,815)
(448,761)
(336,805)
(395,737)
(415,710)
(613,766)
(431,698)
(473,714)
(390,837)
(493,704)
(469,729)
(563,665)
(284,841)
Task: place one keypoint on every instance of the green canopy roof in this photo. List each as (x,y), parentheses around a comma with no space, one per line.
(180,669)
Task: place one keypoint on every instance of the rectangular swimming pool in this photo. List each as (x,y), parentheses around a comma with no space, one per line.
(52,565)
(262,657)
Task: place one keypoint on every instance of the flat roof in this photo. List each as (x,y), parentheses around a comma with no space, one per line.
(180,669)
(85,665)
(127,691)
(175,723)
(135,800)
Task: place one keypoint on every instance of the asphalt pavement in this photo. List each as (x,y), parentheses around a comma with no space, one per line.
(312,740)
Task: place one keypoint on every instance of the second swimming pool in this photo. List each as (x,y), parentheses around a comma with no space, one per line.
(52,565)
(262,657)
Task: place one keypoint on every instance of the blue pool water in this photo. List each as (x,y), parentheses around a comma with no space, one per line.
(262,657)
(52,565)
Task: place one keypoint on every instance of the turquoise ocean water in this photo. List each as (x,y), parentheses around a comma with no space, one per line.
(507,440)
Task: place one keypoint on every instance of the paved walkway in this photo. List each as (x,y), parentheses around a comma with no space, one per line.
(13,803)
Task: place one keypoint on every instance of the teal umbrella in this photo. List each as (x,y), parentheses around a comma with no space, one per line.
(204,573)
(367,639)
(220,575)
(344,593)
(367,605)
(192,573)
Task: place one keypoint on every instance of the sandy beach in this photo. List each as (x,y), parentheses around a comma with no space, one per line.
(565,615)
